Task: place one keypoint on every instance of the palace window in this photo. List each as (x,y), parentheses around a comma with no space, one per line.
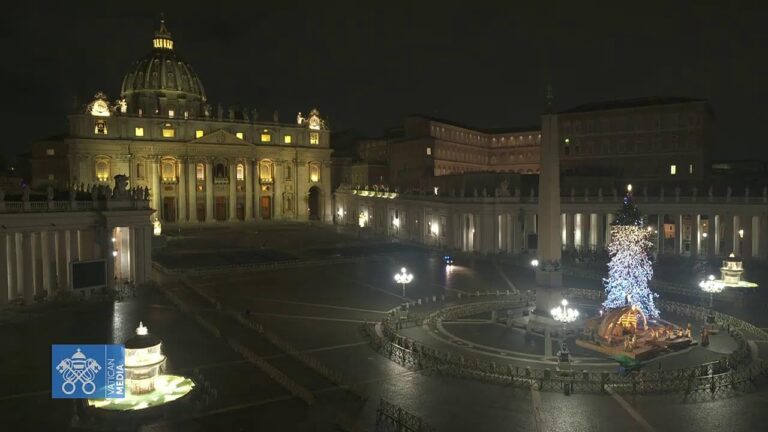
(240,170)
(171,113)
(139,131)
(314,172)
(672,169)
(429,151)
(199,133)
(168,170)
(102,169)
(265,171)
(50,152)
(287,139)
(140,170)
(265,137)
(690,168)
(200,172)
(100,127)
(239,135)
(287,172)
(186,115)
(314,138)
(168,131)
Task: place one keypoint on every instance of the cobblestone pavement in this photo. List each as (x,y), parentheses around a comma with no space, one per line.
(318,310)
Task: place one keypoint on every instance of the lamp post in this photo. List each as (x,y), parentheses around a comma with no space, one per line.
(534,263)
(564,314)
(403,278)
(711,286)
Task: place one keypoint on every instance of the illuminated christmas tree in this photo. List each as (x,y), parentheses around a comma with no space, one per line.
(629,269)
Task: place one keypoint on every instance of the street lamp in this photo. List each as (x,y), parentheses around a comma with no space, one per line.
(403,278)
(534,262)
(711,286)
(564,314)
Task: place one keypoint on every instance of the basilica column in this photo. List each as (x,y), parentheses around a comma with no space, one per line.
(192,190)
(209,191)
(232,192)
(155,193)
(248,190)
(257,189)
(181,191)
(27,276)
(4,276)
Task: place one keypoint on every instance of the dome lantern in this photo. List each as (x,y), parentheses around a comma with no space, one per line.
(162,38)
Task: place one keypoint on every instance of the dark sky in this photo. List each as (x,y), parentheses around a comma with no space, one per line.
(367,64)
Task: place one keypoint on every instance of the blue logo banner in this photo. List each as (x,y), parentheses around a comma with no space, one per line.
(88,371)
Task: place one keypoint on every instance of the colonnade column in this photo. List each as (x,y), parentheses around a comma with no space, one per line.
(232,192)
(594,231)
(192,190)
(13,268)
(248,190)
(182,192)
(37,264)
(609,217)
(27,273)
(695,236)
(209,191)
(48,247)
(711,235)
(62,261)
(257,189)
(146,256)
(133,245)
(5,285)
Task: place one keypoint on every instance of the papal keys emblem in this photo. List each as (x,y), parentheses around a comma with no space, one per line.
(78,369)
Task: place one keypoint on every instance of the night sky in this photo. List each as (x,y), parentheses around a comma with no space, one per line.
(366,65)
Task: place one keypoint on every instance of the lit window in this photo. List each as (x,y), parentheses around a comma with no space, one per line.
(168,171)
(287,139)
(314,172)
(169,133)
(200,171)
(265,171)
(239,135)
(199,133)
(314,138)
(171,113)
(265,137)
(567,141)
(240,169)
(50,152)
(50,176)
(100,127)
(186,115)
(139,131)
(690,168)
(672,169)
(429,151)
(102,170)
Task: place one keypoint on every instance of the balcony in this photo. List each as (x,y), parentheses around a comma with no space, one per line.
(221,180)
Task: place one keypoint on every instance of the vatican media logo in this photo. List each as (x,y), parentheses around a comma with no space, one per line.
(88,371)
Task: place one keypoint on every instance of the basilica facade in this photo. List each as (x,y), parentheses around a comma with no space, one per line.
(200,164)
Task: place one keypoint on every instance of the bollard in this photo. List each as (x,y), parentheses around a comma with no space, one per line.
(434,299)
(459,295)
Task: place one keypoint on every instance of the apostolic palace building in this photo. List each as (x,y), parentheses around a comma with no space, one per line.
(201,164)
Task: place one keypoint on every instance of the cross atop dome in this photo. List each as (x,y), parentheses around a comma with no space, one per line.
(162,38)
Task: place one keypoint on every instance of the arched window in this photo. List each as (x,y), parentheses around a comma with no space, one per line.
(101,169)
(240,170)
(200,172)
(220,171)
(314,172)
(168,170)
(265,171)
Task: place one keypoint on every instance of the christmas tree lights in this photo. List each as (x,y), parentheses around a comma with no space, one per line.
(629,269)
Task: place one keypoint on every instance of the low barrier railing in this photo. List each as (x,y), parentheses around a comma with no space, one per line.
(400,419)
(736,371)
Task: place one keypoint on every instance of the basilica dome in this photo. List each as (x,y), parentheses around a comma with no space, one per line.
(162,84)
